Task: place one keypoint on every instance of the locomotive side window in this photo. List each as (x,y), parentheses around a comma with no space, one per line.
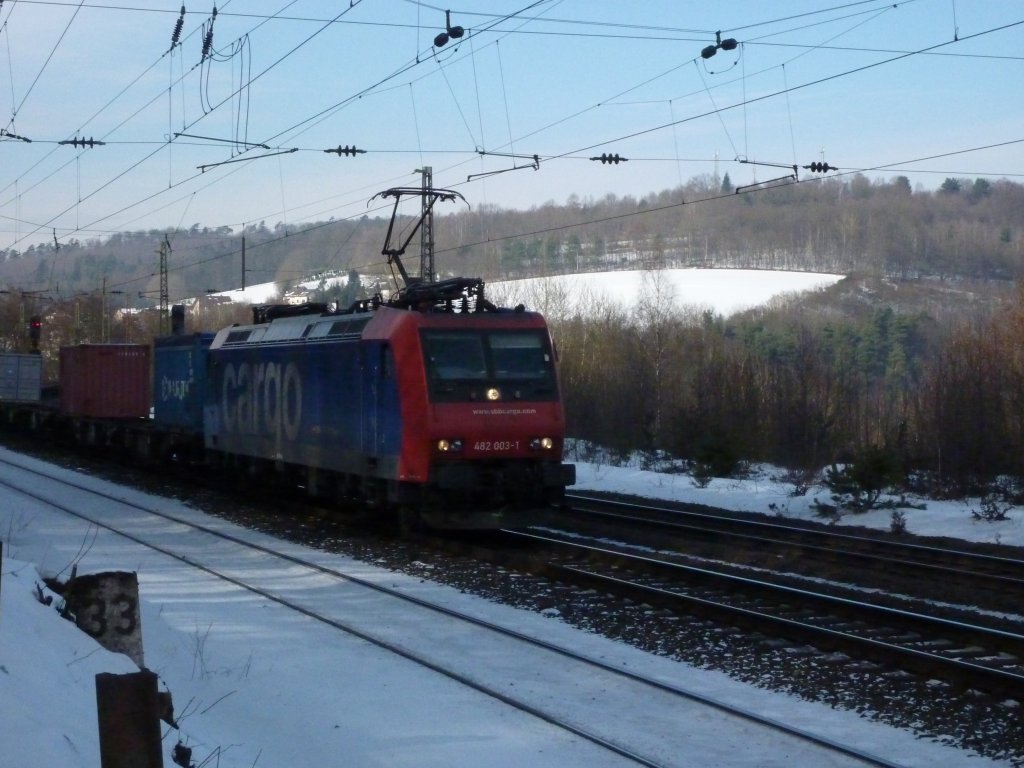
(237,337)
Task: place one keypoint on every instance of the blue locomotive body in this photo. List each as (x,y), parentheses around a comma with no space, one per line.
(303,391)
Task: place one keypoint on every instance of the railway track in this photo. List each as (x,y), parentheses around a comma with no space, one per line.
(967,655)
(992,581)
(387,625)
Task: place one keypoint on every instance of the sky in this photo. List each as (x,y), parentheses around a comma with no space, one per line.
(508,114)
(256,685)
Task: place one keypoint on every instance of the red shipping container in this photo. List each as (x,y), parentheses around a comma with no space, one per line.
(106,381)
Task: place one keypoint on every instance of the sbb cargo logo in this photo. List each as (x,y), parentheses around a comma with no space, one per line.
(262,398)
(174,389)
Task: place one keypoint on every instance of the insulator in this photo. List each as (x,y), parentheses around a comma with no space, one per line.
(177,27)
(348,151)
(208,37)
(710,51)
(441,39)
(729,44)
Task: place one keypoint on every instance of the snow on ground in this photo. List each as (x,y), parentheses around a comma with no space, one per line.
(764,490)
(270,688)
(724,291)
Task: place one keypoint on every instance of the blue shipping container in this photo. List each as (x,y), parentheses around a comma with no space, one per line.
(179,380)
(20,377)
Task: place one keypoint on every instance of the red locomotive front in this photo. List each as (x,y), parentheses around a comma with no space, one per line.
(483,426)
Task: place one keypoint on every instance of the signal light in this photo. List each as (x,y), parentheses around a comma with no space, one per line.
(35,329)
(609,158)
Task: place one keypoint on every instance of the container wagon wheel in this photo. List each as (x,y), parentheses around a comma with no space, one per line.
(410,523)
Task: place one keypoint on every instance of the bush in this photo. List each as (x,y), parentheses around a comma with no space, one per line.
(717,458)
(898,522)
(992,510)
(857,486)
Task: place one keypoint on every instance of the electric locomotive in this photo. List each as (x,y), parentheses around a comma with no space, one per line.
(436,404)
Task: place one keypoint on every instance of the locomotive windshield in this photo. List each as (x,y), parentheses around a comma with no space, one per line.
(452,356)
(518,355)
(460,362)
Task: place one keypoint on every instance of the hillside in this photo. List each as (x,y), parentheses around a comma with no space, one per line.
(968,230)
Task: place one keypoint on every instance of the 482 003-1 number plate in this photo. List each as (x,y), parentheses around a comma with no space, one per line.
(496,445)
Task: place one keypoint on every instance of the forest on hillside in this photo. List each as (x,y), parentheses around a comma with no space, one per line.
(966,228)
(911,368)
(921,402)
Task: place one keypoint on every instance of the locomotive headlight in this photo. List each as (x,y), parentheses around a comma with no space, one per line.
(493,394)
(449,446)
(542,443)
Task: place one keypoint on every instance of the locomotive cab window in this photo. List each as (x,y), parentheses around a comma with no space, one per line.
(462,365)
(519,356)
(454,356)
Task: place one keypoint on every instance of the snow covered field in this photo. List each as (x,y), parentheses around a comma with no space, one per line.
(257,685)
(766,492)
(724,291)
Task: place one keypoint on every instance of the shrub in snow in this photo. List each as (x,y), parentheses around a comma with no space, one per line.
(857,486)
(992,510)
(702,474)
(718,455)
(802,480)
(898,522)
